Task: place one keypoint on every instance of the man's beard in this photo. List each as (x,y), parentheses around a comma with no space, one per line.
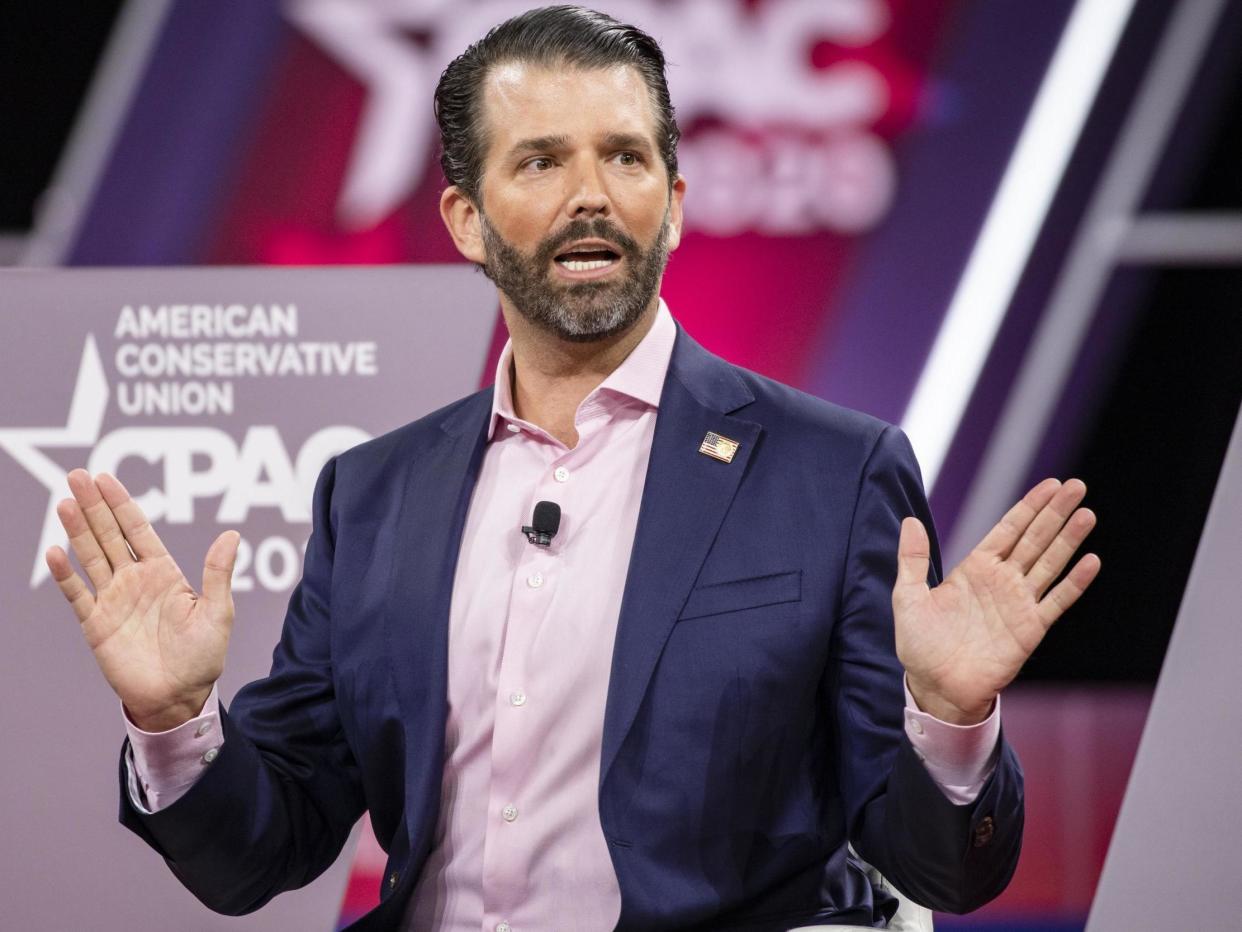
(579,312)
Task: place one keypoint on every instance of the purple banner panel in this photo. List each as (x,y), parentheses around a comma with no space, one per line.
(216,395)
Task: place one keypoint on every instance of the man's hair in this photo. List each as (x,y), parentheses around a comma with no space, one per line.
(549,36)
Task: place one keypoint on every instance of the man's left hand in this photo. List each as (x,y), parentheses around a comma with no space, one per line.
(962,642)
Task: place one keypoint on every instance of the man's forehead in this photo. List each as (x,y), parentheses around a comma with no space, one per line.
(527,99)
(519,79)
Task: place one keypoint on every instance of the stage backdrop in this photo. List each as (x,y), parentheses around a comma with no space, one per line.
(847,162)
(216,395)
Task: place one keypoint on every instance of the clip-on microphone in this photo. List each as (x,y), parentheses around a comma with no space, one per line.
(544,524)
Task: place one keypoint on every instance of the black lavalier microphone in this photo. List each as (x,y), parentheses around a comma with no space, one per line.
(544,524)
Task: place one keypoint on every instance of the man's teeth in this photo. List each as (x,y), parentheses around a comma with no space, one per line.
(583,265)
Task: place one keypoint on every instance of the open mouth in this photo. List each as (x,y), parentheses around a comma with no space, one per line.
(587,257)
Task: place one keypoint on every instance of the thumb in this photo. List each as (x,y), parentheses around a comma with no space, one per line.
(218,568)
(913,554)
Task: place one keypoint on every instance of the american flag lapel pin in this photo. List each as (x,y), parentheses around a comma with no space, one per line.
(718,447)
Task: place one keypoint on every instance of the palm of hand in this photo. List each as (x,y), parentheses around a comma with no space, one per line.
(153,636)
(159,644)
(966,639)
(970,634)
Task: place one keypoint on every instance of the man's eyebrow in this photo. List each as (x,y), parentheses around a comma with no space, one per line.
(627,141)
(539,144)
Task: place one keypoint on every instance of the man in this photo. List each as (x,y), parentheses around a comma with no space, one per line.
(677,713)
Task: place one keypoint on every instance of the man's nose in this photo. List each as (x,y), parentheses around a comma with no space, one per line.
(590,196)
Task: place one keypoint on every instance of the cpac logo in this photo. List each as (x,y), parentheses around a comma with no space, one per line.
(794,154)
(198,463)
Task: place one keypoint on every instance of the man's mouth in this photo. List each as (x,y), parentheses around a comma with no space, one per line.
(587,261)
(587,257)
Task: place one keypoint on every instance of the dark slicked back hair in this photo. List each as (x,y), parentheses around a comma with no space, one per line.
(550,37)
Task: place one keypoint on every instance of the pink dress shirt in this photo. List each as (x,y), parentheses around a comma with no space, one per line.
(519,845)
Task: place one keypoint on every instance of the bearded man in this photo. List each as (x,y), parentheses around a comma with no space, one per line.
(734,656)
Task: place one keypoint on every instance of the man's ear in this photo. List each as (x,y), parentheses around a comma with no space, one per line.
(676,196)
(462,219)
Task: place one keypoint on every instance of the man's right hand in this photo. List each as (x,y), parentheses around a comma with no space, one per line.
(160,644)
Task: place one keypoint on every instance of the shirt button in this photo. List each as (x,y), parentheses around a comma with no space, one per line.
(561,474)
(517,697)
(916,726)
(513,428)
(535,581)
(503,927)
(509,813)
(203,729)
(210,755)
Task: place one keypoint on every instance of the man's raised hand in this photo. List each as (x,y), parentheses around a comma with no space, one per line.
(160,644)
(964,641)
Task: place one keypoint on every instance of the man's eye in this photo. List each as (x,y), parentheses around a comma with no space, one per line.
(541,164)
(628,158)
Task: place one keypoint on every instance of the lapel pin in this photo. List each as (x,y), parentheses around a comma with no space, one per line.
(718,447)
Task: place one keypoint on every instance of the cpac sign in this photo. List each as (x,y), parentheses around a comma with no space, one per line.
(258,474)
(197,463)
(237,477)
(216,395)
(785,147)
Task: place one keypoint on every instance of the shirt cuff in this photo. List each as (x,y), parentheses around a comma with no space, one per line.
(959,758)
(163,765)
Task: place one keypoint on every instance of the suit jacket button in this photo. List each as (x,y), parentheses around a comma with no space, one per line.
(392,881)
(984,831)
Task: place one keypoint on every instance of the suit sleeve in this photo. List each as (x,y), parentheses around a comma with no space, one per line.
(947,857)
(273,810)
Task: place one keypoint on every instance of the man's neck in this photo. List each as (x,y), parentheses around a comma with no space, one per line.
(551,376)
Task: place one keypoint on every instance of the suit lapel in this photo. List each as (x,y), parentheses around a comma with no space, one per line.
(685,498)
(433,506)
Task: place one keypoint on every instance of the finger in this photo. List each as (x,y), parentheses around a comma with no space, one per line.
(1057,554)
(1047,524)
(142,538)
(90,556)
(218,569)
(70,583)
(1068,590)
(1001,539)
(100,518)
(913,554)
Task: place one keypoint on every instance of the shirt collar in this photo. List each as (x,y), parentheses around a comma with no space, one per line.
(640,375)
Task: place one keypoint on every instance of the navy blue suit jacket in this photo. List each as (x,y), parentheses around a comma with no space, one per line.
(754,715)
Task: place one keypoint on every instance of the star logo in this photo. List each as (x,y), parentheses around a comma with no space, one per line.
(388,48)
(86,413)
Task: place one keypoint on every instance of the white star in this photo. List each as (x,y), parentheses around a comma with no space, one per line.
(394,133)
(86,413)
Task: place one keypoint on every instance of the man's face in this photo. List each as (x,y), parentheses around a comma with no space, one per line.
(577,217)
